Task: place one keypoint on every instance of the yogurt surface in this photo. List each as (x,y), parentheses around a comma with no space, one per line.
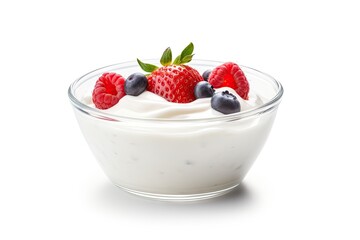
(150,105)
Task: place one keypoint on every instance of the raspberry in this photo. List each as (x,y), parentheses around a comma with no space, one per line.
(108,90)
(230,75)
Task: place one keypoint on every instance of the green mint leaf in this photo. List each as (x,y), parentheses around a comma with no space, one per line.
(187,51)
(177,60)
(166,58)
(146,66)
(187,59)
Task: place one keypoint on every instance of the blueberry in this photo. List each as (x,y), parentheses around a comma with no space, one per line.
(225,102)
(203,89)
(206,74)
(135,84)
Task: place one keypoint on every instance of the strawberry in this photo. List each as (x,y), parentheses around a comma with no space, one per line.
(230,75)
(174,81)
(108,90)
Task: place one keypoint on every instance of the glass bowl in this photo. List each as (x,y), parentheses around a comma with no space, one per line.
(176,159)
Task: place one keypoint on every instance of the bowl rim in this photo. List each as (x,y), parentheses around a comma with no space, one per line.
(97,113)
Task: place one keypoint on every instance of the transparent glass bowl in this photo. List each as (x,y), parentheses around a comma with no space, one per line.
(177,160)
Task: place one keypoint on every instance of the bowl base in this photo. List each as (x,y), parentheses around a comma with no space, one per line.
(180,197)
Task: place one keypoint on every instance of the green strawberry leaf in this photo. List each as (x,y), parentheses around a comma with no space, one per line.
(166,58)
(147,67)
(185,56)
(187,51)
(187,59)
(177,60)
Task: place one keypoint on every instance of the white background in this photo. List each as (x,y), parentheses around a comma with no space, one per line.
(305,183)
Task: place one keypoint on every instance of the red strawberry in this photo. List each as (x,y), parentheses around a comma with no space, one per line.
(174,81)
(230,75)
(108,90)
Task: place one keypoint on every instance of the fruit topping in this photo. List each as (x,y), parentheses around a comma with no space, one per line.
(206,74)
(108,90)
(230,75)
(225,102)
(136,84)
(174,81)
(204,89)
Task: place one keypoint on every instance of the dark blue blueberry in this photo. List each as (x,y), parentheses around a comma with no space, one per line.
(206,74)
(135,84)
(225,102)
(203,89)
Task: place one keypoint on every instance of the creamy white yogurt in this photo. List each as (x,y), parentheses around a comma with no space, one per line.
(175,158)
(150,105)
